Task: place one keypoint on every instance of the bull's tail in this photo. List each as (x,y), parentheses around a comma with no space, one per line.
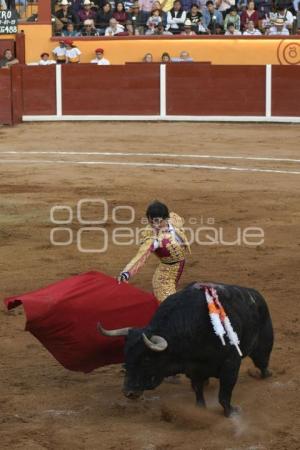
(262,351)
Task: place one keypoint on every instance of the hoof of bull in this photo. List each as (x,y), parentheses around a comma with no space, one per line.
(259,374)
(233,411)
(266,373)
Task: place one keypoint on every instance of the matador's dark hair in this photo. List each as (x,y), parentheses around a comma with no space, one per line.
(157,209)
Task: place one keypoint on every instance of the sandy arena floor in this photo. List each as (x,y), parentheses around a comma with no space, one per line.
(42,405)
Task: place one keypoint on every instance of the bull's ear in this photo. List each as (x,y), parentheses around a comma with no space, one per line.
(116,332)
(155,343)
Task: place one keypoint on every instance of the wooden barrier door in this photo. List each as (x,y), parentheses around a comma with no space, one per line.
(5,97)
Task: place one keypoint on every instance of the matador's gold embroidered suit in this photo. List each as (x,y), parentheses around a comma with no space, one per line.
(170,245)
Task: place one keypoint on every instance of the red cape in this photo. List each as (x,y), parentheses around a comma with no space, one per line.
(64,315)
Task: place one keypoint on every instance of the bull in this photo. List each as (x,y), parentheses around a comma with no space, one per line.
(180,340)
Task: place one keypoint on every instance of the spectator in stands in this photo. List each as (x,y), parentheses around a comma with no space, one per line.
(232,17)
(86,12)
(75,5)
(154,20)
(157,5)
(72,52)
(60,53)
(88,28)
(286,15)
(114,28)
(184,56)
(195,16)
(251,30)
(211,17)
(120,14)
(223,6)
(8,59)
(218,29)
(231,30)
(165,58)
(65,13)
(176,18)
(264,8)
(45,61)
(69,31)
(100,60)
(146,6)
(103,18)
(160,31)
(249,14)
(187,30)
(148,58)
(186,5)
(278,28)
(136,20)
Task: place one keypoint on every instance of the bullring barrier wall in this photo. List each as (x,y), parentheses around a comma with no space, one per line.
(137,91)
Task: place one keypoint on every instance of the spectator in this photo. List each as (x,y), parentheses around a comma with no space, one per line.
(128,4)
(176,18)
(65,13)
(286,15)
(100,60)
(186,5)
(60,53)
(278,28)
(184,56)
(103,18)
(264,8)
(234,18)
(219,29)
(231,30)
(45,61)
(165,58)
(120,14)
(195,16)
(224,6)
(188,28)
(160,31)
(154,20)
(251,30)
(8,59)
(89,28)
(250,14)
(72,52)
(114,28)
(148,58)
(146,6)
(69,31)
(86,12)
(157,5)
(136,20)
(211,17)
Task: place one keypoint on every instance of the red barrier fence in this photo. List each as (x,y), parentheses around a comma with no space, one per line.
(5,97)
(198,90)
(113,90)
(191,91)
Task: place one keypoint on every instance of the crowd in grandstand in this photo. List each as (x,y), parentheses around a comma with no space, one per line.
(180,17)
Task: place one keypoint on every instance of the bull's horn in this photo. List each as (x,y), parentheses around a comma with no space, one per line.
(155,343)
(117,332)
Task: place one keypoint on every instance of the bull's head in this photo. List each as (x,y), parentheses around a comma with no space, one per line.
(142,368)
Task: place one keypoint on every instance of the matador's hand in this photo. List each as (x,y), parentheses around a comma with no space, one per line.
(123,277)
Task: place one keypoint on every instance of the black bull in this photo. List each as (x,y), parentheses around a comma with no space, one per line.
(180,339)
